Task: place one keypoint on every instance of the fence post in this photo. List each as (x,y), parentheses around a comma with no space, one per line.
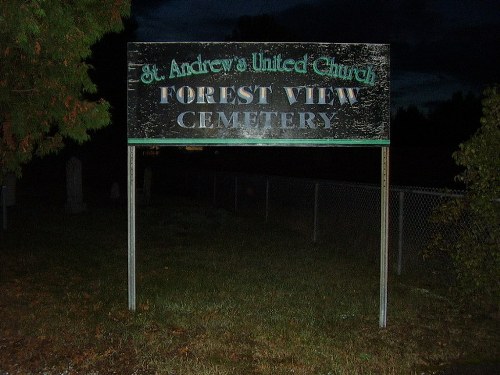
(400,233)
(4,207)
(214,198)
(316,193)
(235,193)
(267,199)
(198,186)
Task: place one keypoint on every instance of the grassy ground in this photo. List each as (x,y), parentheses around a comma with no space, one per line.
(217,294)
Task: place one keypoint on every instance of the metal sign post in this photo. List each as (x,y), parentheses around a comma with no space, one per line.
(131,227)
(384,235)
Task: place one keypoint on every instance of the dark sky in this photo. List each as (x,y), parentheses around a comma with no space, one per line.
(437,47)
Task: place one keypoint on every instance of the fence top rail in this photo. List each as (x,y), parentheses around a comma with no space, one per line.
(430,191)
(440,192)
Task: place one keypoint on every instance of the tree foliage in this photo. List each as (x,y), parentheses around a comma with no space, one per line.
(260,28)
(422,142)
(44,81)
(475,249)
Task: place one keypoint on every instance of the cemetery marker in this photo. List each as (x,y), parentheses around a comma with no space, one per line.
(259,94)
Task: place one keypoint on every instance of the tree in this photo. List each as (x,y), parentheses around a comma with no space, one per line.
(475,249)
(260,28)
(408,127)
(455,120)
(44,83)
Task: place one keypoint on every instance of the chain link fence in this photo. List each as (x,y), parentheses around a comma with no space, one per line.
(345,215)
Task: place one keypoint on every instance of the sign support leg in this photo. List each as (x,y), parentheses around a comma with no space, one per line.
(384,235)
(131,227)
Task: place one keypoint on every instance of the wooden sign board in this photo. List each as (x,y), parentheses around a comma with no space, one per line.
(256,94)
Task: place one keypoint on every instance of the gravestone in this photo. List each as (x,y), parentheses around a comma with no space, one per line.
(9,191)
(146,188)
(74,203)
(115,192)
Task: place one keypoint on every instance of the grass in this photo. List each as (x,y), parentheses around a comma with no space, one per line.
(217,294)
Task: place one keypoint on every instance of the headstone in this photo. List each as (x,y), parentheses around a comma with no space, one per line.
(115,192)
(74,203)
(146,189)
(9,191)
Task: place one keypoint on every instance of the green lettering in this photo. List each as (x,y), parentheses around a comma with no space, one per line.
(174,70)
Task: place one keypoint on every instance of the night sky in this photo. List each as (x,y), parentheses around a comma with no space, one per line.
(437,47)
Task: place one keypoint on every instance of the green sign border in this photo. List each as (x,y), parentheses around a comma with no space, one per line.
(140,53)
(256,142)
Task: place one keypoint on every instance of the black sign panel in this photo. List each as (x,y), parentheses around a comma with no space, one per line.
(258,94)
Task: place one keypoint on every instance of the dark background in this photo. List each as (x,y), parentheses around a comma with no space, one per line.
(443,55)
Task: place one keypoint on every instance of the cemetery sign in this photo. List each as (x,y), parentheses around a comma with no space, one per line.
(257,94)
